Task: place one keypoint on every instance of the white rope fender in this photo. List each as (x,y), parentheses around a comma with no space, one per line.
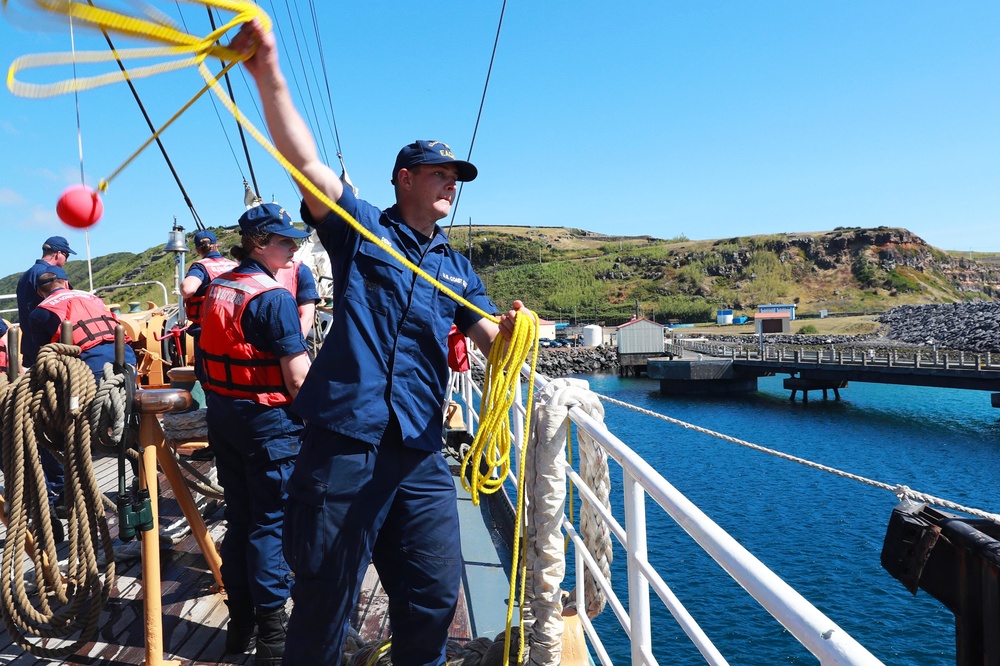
(545,488)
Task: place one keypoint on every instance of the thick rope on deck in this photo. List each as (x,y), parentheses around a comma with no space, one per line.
(186,425)
(47,407)
(477,652)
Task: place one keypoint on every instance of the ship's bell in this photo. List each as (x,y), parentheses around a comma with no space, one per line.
(175,242)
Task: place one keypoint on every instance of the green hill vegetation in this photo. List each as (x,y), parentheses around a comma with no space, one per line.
(568,274)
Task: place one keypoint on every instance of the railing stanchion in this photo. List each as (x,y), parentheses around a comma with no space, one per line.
(636,552)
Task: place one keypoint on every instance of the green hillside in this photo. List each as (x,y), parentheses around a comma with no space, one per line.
(567,273)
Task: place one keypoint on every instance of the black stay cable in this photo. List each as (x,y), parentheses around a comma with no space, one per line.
(215,107)
(326,78)
(243,138)
(482,102)
(163,150)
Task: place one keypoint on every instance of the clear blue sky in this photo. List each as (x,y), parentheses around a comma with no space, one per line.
(709,119)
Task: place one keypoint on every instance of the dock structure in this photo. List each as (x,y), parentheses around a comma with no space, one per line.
(719,369)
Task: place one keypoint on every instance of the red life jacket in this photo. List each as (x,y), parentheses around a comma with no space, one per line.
(92,322)
(458,352)
(232,366)
(289,278)
(4,365)
(215,267)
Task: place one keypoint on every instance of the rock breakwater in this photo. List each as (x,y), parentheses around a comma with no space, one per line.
(564,361)
(961,326)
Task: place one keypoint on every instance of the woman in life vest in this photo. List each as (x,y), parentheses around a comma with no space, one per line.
(210,265)
(254,361)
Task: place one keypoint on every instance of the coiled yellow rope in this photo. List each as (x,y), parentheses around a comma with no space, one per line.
(489,455)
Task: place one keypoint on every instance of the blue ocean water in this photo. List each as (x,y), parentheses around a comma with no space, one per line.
(821,533)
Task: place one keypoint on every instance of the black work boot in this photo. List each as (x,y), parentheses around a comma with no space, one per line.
(271,627)
(241,628)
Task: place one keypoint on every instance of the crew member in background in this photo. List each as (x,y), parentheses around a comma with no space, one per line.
(195,284)
(299,280)
(5,356)
(370,483)
(255,360)
(55,253)
(93,324)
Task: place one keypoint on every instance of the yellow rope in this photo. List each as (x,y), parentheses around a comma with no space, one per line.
(489,455)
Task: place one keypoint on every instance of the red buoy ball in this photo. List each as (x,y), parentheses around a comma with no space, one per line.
(79,207)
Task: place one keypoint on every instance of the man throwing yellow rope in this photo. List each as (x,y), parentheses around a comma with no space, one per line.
(370,483)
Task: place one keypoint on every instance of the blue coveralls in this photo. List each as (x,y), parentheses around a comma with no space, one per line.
(370,483)
(255,447)
(27,300)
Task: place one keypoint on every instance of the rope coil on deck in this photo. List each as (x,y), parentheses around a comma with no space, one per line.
(47,407)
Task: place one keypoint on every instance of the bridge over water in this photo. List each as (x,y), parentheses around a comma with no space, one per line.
(713,368)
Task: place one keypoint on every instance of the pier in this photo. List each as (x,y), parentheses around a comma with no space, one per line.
(714,368)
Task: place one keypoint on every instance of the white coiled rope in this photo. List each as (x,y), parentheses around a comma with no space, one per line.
(545,486)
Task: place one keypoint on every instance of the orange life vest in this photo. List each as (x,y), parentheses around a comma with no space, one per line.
(4,365)
(215,267)
(92,322)
(232,366)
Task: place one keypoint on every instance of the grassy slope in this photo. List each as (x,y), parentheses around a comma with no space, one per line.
(562,271)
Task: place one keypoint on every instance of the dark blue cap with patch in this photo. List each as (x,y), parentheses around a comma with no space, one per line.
(272,219)
(57,244)
(432,152)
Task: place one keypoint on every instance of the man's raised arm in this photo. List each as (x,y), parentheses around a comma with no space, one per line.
(289,131)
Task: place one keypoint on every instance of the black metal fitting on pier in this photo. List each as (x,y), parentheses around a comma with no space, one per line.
(957,561)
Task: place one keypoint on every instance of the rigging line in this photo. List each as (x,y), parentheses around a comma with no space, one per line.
(310,120)
(252,96)
(225,132)
(149,123)
(900,491)
(229,88)
(479,116)
(326,78)
(311,81)
(76,100)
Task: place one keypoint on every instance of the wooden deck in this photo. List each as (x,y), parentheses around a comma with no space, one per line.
(194,616)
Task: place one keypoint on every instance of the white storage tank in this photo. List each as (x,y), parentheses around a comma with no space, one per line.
(592,336)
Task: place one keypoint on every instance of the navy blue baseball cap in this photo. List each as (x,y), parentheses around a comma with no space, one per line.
(52,274)
(272,219)
(205,236)
(432,152)
(57,244)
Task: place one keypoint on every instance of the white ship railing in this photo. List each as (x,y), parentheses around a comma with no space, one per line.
(827,641)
